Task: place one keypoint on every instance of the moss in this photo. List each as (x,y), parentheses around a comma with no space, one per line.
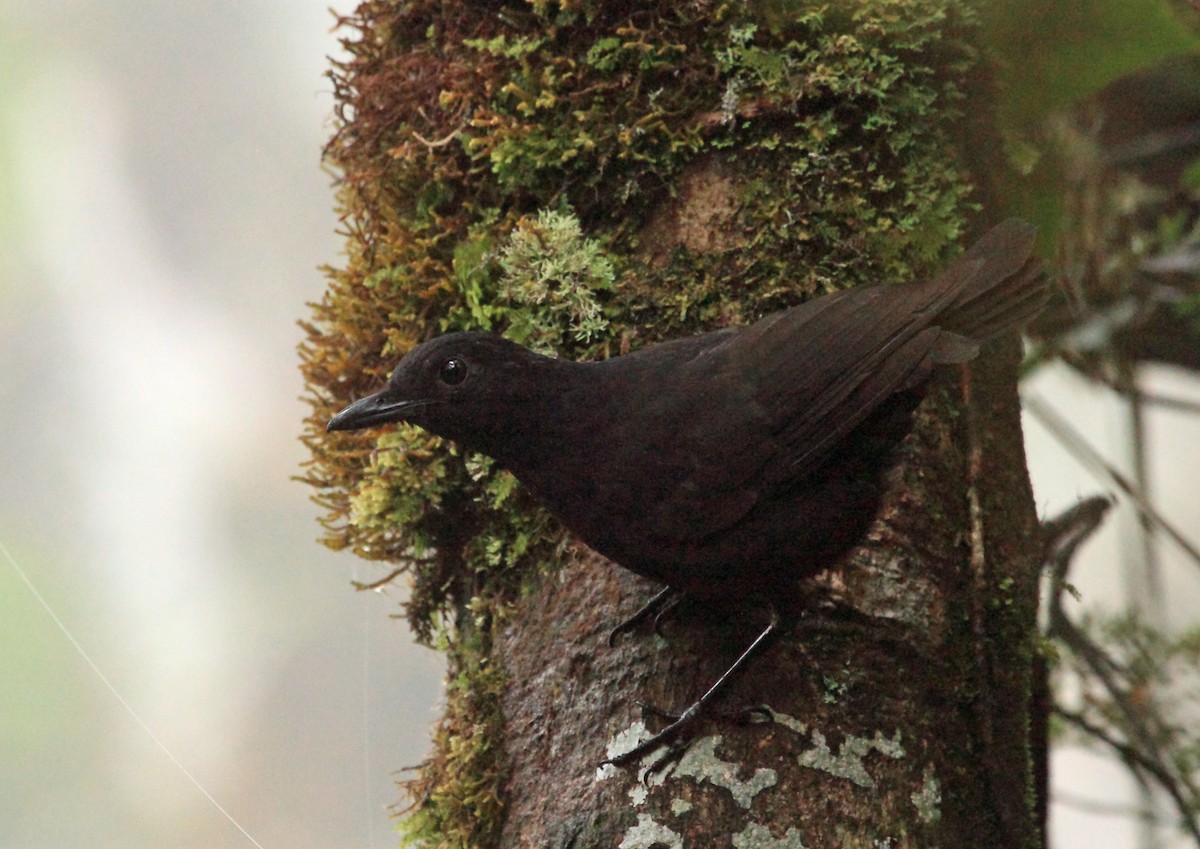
(458,796)
(530,168)
(554,278)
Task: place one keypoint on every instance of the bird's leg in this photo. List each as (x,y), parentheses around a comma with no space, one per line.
(673,736)
(661,603)
(668,608)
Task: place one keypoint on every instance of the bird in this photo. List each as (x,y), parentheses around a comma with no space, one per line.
(728,465)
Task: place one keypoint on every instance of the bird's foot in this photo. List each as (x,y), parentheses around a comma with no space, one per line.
(673,740)
(679,734)
(676,737)
(655,609)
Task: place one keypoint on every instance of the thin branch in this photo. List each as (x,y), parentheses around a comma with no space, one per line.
(1074,442)
(1064,534)
(1103,809)
(380,584)
(1087,369)
(442,142)
(1138,762)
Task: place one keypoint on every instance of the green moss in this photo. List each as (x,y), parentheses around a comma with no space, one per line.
(511,168)
(554,276)
(458,796)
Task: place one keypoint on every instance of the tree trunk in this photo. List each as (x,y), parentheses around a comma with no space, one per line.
(909,728)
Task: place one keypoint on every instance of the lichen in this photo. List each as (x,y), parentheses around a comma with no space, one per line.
(701,763)
(649,834)
(622,741)
(928,800)
(847,761)
(679,807)
(758,836)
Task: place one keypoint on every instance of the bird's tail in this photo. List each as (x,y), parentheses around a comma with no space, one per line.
(996,286)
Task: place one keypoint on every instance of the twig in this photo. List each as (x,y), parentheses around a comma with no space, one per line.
(1137,761)
(382,582)
(1074,442)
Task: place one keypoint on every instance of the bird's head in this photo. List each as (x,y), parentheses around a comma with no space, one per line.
(469,387)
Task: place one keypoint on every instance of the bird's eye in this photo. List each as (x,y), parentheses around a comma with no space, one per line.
(453,372)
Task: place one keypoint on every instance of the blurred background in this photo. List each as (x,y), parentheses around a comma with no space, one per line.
(163,216)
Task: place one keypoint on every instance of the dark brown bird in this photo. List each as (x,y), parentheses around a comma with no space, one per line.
(726,465)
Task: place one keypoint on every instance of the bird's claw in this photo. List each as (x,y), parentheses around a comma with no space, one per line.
(672,738)
(663,601)
(754,714)
(648,709)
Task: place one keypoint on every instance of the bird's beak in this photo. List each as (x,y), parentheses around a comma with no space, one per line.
(376,409)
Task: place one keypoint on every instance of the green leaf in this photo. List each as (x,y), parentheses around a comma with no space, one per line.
(1055,53)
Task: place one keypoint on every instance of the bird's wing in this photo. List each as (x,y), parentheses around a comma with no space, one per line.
(765,405)
(817,374)
(820,369)
(682,443)
(749,409)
